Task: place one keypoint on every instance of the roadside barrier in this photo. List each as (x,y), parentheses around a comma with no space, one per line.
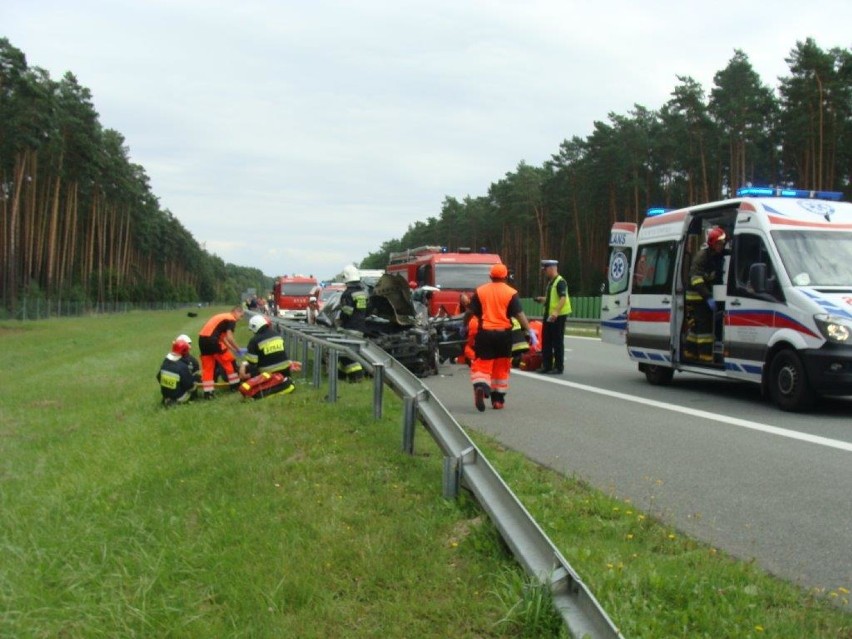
(584,311)
(464,465)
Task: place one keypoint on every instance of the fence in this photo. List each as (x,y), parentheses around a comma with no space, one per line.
(464,465)
(584,310)
(39,309)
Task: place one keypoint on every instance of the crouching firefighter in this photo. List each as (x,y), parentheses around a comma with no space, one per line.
(265,369)
(177,385)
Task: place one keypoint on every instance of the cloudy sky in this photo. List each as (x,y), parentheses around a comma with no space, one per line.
(297,136)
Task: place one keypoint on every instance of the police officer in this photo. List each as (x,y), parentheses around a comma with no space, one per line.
(494,305)
(557,307)
(174,376)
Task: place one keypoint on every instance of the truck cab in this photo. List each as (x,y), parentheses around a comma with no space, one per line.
(447,274)
(783,298)
(292,294)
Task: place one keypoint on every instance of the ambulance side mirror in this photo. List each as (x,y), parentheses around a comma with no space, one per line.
(757,277)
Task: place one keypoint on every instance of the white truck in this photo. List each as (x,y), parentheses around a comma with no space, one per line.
(783,316)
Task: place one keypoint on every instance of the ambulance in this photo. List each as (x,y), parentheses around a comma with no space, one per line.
(783,316)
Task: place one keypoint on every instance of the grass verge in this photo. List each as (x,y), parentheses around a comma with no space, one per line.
(295,517)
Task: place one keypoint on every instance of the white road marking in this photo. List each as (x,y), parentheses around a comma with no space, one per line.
(734,421)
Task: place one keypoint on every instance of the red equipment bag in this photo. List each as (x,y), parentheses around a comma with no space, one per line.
(530,361)
(266,384)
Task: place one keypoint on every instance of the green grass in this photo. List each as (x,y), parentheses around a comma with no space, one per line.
(293,517)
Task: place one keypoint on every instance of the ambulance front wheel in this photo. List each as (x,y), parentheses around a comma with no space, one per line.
(788,382)
(657,375)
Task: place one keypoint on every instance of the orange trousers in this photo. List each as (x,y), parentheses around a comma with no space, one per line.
(493,372)
(208,370)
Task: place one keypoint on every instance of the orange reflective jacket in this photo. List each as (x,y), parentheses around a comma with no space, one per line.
(494,299)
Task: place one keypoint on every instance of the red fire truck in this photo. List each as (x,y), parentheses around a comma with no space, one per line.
(292,293)
(450,273)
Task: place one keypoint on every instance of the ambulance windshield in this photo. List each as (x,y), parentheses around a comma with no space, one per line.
(816,258)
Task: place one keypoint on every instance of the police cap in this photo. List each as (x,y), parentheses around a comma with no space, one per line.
(546,263)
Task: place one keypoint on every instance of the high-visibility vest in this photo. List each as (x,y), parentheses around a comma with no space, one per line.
(553,297)
(494,299)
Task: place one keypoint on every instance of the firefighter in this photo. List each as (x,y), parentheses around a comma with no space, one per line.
(265,352)
(353,317)
(174,376)
(189,360)
(217,345)
(494,305)
(706,270)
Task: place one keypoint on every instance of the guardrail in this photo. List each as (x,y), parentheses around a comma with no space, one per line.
(584,311)
(464,466)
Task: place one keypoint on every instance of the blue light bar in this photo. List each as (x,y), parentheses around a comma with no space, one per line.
(763,191)
(657,210)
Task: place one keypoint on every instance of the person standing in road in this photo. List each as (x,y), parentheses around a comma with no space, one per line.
(494,305)
(217,345)
(557,308)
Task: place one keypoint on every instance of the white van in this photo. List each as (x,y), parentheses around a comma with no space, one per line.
(783,302)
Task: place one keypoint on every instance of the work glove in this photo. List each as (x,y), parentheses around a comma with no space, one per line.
(463,331)
(533,339)
(711,303)
(241,352)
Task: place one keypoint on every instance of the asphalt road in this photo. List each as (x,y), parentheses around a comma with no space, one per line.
(709,457)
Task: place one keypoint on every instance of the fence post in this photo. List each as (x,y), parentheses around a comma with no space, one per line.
(332,375)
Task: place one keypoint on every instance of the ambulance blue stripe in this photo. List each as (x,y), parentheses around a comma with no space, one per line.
(829,305)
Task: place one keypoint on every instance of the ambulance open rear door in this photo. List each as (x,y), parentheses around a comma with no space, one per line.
(616,294)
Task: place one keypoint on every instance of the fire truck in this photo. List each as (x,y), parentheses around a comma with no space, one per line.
(446,274)
(291,295)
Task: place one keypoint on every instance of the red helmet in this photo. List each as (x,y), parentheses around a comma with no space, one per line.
(716,234)
(179,347)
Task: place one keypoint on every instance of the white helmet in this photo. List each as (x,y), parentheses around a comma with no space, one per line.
(257,322)
(184,338)
(351,273)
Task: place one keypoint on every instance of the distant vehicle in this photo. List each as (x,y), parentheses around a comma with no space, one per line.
(326,292)
(451,274)
(782,304)
(292,293)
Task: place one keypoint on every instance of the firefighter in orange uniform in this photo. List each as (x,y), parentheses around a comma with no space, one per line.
(494,305)
(217,345)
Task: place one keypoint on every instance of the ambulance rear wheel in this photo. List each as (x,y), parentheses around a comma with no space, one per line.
(788,382)
(658,375)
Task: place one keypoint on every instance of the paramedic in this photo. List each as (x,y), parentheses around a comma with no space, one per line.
(557,307)
(494,305)
(217,345)
(176,383)
(706,270)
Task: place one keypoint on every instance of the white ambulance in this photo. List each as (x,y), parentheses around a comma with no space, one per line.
(783,315)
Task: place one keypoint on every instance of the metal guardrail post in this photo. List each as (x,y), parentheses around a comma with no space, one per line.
(409,412)
(378,389)
(305,358)
(317,364)
(332,375)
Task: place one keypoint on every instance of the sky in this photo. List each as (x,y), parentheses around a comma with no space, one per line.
(298,136)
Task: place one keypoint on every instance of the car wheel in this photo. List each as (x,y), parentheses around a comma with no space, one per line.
(658,375)
(788,382)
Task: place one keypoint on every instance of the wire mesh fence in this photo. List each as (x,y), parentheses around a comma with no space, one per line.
(40,309)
